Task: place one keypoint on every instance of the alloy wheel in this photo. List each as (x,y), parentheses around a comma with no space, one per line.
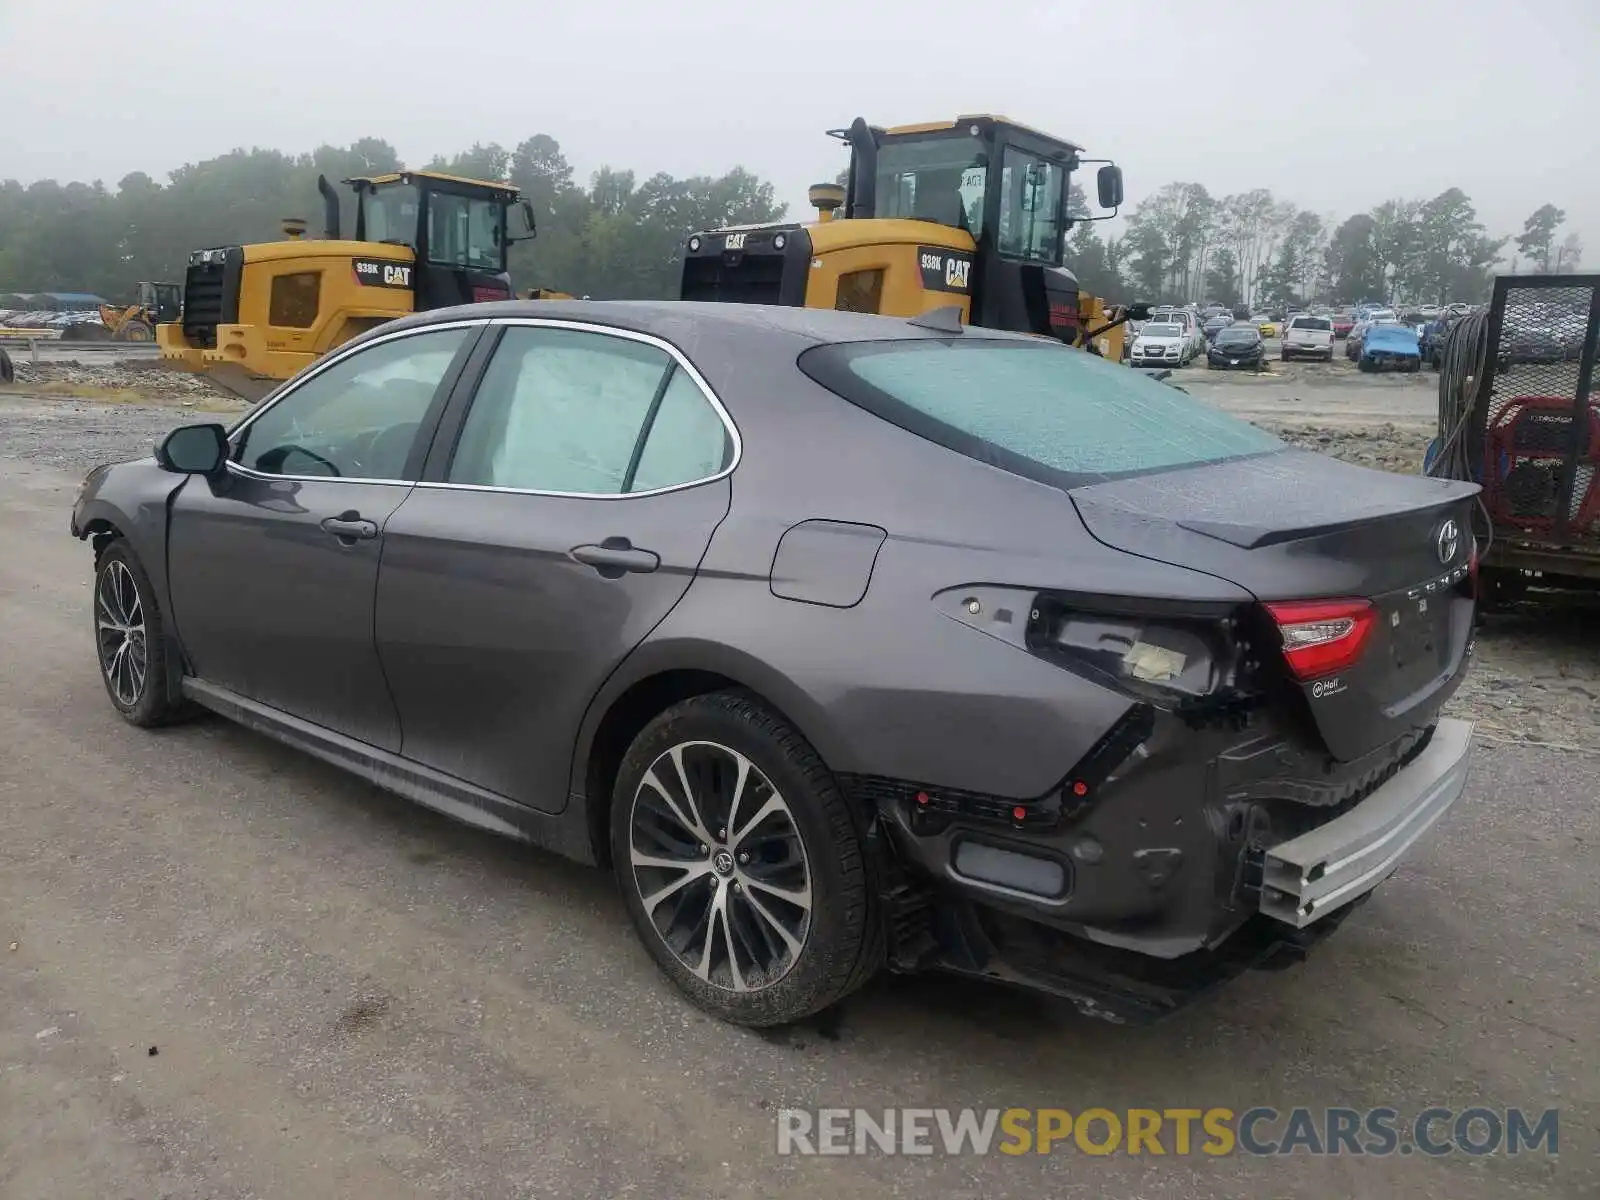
(120,633)
(720,866)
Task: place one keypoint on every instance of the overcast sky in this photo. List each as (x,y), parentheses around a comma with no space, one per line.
(1335,106)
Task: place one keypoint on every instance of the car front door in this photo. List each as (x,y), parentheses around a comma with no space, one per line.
(273,565)
(563,513)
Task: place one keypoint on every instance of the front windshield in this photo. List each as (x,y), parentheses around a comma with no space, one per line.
(933,179)
(389,214)
(1237,335)
(466,231)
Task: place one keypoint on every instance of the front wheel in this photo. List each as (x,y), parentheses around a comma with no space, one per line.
(130,638)
(741,863)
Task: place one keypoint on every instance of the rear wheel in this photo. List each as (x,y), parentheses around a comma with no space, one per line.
(130,638)
(741,863)
(136,331)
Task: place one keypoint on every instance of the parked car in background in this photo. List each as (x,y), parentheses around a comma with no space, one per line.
(1383,315)
(1216,324)
(1533,333)
(1161,343)
(1431,342)
(1389,347)
(1265,325)
(1343,323)
(1307,337)
(1102,687)
(1238,346)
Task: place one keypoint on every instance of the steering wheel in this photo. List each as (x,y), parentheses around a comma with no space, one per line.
(278,455)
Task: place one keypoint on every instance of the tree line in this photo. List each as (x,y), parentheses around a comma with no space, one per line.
(1251,248)
(616,237)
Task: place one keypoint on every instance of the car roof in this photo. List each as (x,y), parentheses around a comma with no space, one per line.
(674,320)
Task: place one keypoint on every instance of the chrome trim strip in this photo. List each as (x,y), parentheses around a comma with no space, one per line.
(537,322)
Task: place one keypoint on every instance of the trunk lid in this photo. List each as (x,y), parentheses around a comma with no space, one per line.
(1296,526)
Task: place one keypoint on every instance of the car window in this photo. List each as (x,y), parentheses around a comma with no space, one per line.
(1046,412)
(686,440)
(562,410)
(1319,323)
(358,418)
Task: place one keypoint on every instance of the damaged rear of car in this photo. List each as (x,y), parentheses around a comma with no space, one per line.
(1252,680)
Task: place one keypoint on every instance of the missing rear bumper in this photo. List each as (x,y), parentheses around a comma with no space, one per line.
(1310,876)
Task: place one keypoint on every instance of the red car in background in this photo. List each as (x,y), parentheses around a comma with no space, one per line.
(1343,323)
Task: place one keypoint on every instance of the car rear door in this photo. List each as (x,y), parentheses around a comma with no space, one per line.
(564,510)
(273,566)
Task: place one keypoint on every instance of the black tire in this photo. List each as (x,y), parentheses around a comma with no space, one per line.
(840,940)
(123,596)
(136,331)
(1363,364)
(7,372)
(1283,356)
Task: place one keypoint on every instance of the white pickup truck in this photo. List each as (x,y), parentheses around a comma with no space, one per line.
(1308,336)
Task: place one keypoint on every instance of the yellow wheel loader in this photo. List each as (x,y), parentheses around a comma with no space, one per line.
(255,315)
(157,302)
(969,214)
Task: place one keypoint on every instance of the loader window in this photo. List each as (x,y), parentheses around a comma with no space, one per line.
(389,214)
(466,231)
(1030,207)
(934,179)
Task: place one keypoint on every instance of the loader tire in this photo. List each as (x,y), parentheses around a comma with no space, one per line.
(136,331)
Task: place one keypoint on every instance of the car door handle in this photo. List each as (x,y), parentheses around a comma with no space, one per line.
(615,557)
(350,527)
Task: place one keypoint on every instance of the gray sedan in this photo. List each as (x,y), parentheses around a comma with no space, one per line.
(845,641)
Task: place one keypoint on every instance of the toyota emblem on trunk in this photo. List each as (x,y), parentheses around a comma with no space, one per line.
(1449,541)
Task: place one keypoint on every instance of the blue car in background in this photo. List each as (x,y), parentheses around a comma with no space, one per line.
(1390,348)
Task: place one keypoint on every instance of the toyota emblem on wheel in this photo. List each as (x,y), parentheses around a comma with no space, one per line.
(1449,541)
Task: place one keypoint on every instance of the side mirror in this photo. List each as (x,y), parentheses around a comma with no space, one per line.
(194,450)
(1109,181)
(525,207)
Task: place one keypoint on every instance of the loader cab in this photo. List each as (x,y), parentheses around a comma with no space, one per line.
(457,228)
(1005,185)
(969,214)
(163,301)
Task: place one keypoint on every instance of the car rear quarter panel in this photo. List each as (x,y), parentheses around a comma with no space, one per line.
(892,685)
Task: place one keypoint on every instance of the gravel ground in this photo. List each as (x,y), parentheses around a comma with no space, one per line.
(145,377)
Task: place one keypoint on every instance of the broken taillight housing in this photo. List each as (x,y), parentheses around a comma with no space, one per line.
(1322,636)
(1172,659)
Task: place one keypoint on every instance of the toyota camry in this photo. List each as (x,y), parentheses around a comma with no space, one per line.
(845,642)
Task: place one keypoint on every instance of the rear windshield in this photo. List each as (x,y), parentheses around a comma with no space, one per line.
(1038,409)
(1161,331)
(1312,323)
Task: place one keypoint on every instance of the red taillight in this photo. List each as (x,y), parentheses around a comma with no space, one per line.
(1322,636)
(488,295)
